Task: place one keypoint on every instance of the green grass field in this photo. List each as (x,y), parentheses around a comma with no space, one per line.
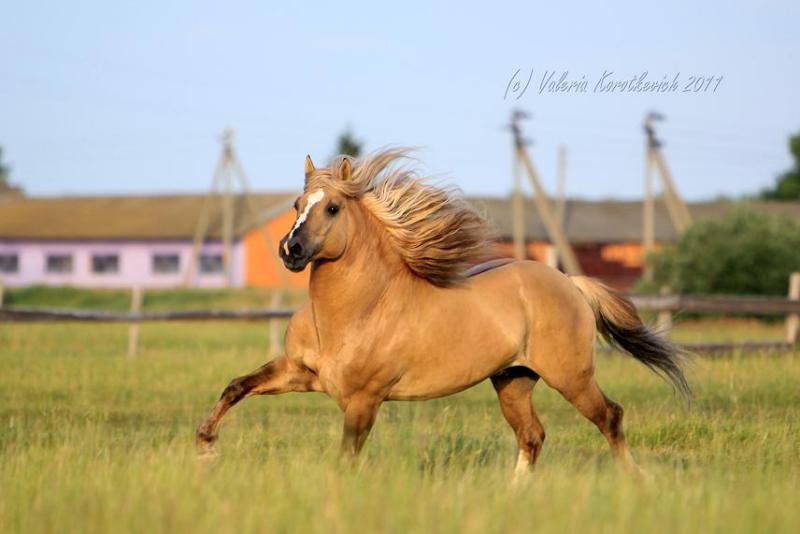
(153,299)
(91,441)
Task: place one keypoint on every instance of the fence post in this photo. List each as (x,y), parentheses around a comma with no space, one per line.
(551,256)
(664,321)
(133,329)
(275,325)
(792,319)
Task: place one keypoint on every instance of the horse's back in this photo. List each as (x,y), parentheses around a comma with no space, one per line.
(506,273)
(547,294)
(486,266)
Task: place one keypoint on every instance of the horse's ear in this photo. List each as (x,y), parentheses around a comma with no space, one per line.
(309,168)
(345,170)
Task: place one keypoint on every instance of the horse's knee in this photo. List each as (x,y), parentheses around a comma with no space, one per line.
(235,391)
(243,385)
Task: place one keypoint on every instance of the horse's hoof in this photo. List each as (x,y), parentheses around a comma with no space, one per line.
(521,483)
(205,445)
(644,477)
(206,451)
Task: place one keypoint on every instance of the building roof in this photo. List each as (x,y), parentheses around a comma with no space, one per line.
(175,217)
(159,217)
(608,221)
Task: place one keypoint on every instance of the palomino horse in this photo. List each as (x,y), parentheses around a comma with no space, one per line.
(394,313)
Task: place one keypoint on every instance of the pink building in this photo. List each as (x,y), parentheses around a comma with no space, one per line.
(120,241)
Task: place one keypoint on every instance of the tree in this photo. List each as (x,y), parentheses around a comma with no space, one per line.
(6,188)
(5,170)
(347,144)
(787,185)
(745,252)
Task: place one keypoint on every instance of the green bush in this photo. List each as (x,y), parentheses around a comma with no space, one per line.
(746,252)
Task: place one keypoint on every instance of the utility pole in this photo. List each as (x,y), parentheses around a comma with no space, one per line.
(678,212)
(554,230)
(649,223)
(561,197)
(561,176)
(518,211)
(227,209)
(221,189)
(228,170)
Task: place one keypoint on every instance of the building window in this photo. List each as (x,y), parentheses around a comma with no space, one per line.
(211,263)
(166,263)
(59,263)
(9,263)
(105,263)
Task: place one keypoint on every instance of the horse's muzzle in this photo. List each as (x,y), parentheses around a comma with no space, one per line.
(294,253)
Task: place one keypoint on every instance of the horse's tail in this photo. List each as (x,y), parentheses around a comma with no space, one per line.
(621,327)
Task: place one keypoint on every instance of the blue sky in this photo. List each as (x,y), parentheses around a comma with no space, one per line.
(99,97)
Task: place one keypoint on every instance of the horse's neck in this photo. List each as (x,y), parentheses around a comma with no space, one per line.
(367,274)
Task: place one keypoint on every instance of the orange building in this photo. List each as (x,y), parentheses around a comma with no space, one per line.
(262,266)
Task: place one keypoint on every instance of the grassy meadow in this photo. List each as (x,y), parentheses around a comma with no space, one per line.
(152,299)
(91,441)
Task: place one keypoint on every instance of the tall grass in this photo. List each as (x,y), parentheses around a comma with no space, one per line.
(91,441)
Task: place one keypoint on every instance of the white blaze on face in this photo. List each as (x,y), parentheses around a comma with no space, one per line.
(313,198)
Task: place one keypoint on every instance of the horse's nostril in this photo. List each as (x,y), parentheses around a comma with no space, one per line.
(296,249)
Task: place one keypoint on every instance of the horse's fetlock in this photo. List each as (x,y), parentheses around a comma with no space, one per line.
(205,435)
(616,411)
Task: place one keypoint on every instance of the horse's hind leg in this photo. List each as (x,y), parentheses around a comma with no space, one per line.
(274,377)
(514,387)
(590,400)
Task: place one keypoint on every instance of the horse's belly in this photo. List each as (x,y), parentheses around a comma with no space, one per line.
(431,387)
(461,360)
(446,380)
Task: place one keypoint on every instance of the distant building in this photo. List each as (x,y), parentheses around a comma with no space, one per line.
(607,235)
(121,241)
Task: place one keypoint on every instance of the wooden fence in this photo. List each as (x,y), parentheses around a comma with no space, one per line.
(26,314)
(665,304)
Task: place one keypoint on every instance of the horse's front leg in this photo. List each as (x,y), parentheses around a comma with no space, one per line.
(359,416)
(275,377)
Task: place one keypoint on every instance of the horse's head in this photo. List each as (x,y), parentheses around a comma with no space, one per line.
(320,229)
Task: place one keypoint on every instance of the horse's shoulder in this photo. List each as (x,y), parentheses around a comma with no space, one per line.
(303,313)
(301,328)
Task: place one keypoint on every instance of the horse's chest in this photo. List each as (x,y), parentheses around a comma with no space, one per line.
(344,373)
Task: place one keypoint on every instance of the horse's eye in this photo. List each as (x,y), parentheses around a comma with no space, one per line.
(297,205)
(333,209)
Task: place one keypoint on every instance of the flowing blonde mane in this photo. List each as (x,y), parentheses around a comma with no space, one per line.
(436,232)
